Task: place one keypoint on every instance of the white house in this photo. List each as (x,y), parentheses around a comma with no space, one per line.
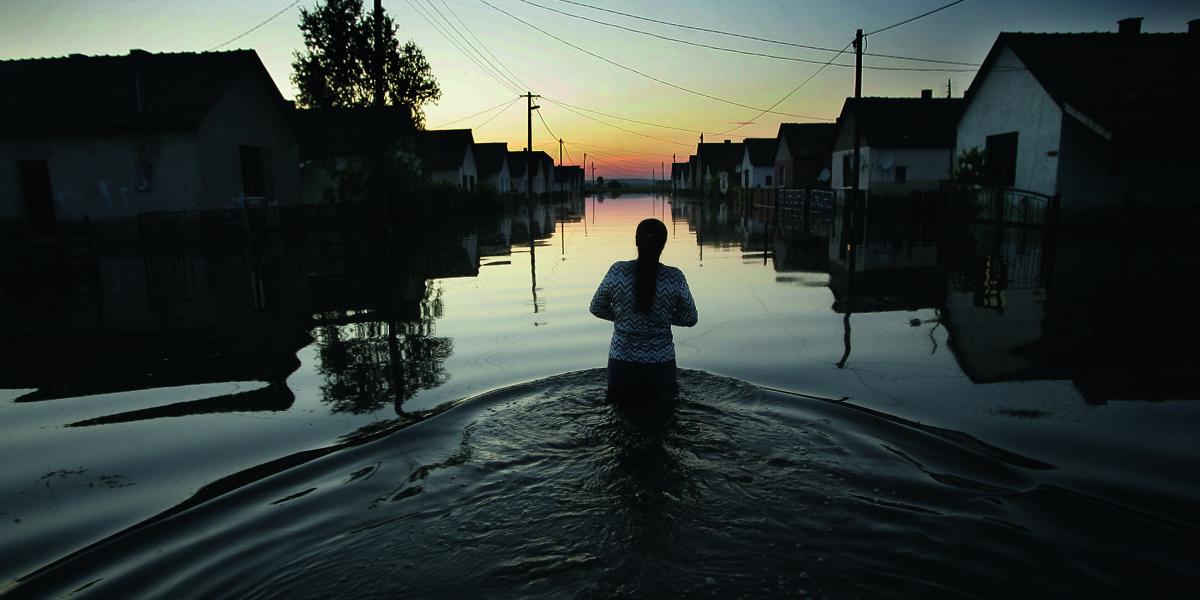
(906,144)
(491,163)
(758,163)
(719,165)
(111,137)
(802,154)
(1103,119)
(449,155)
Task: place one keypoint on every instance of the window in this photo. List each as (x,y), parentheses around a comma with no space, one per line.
(33,180)
(768,181)
(901,174)
(464,183)
(847,172)
(254,182)
(746,179)
(1000,157)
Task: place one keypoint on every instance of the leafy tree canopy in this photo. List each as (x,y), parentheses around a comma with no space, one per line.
(335,68)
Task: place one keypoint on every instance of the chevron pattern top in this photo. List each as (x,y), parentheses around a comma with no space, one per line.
(641,337)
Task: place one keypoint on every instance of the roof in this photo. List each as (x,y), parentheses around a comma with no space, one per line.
(346,131)
(904,122)
(490,158)
(762,151)
(444,148)
(516,164)
(807,139)
(1124,82)
(568,173)
(139,91)
(722,156)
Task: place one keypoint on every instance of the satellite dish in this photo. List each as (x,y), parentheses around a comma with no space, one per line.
(824,176)
(886,159)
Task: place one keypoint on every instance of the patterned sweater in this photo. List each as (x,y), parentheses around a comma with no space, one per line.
(643,337)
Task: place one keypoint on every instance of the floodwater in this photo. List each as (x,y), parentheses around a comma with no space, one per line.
(979,412)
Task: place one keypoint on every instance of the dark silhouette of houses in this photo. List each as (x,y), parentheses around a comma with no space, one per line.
(491,163)
(1104,119)
(719,165)
(449,157)
(568,179)
(907,144)
(679,176)
(336,145)
(115,136)
(802,154)
(758,163)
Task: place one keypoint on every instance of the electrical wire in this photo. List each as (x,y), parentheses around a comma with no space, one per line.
(428,18)
(920,16)
(484,46)
(587,116)
(651,124)
(762,39)
(255,28)
(743,52)
(502,111)
(631,69)
(472,115)
(543,120)
(789,94)
(472,46)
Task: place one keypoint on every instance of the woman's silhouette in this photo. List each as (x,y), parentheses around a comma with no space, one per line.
(644,298)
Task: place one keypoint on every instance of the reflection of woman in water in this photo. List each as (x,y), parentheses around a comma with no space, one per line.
(643,299)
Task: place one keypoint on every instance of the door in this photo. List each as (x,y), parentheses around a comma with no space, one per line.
(33,177)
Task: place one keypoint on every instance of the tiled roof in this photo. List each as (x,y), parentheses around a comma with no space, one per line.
(139,91)
(1125,82)
(444,148)
(807,140)
(490,158)
(762,151)
(346,131)
(905,122)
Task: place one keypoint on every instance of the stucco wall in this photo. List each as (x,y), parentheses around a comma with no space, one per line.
(1010,99)
(247,114)
(98,175)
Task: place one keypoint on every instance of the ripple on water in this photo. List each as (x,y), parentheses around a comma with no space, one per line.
(544,489)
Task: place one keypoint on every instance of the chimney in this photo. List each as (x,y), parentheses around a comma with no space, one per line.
(926,94)
(1194,26)
(1130,26)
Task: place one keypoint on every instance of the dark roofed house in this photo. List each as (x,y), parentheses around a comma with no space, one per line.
(115,136)
(1103,119)
(568,179)
(491,163)
(906,143)
(802,154)
(517,162)
(719,165)
(679,176)
(448,155)
(758,162)
(333,139)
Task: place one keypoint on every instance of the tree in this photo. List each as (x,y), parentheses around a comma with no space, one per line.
(335,68)
(970,169)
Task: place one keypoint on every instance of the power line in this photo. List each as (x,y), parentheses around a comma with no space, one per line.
(502,111)
(515,85)
(737,51)
(762,39)
(428,18)
(920,16)
(543,120)
(484,46)
(255,28)
(590,146)
(586,116)
(631,69)
(651,124)
(486,110)
(794,90)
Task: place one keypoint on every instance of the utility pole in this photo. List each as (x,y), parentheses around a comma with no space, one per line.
(663,166)
(949,93)
(672,173)
(529,96)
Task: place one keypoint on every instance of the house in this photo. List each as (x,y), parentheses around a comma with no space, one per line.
(1102,119)
(568,179)
(111,137)
(540,177)
(679,176)
(491,163)
(802,155)
(517,162)
(693,173)
(906,143)
(758,163)
(545,173)
(719,165)
(449,156)
(336,146)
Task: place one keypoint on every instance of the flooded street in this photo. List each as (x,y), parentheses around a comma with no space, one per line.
(985,410)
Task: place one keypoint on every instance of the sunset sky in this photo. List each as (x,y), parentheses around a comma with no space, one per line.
(572,80)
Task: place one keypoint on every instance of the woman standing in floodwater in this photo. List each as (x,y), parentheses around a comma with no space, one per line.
(644,298)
